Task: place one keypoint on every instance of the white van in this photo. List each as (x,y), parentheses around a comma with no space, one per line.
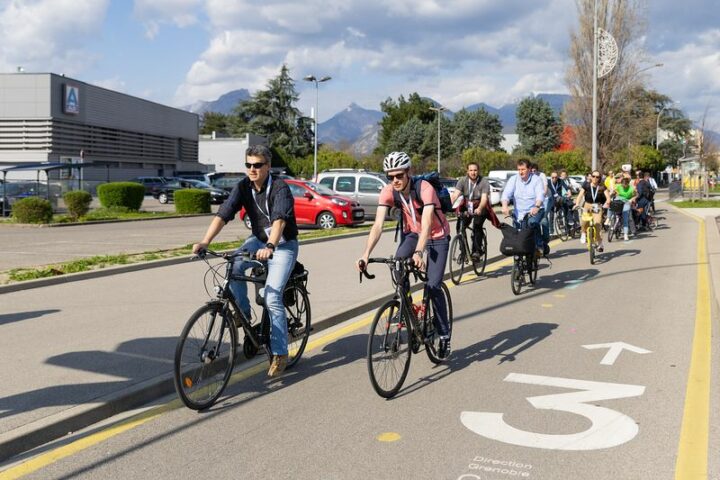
(503,175)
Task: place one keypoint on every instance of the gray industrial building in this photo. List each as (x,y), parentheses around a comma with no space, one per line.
(46,117)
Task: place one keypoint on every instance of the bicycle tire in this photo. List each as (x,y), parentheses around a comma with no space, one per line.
(516,277)
(389,347)
(591,243)
(532,264)
(209,367)
(433,344)
(561,225)
(456,258)
(611,230)
(299,320)
(480,263)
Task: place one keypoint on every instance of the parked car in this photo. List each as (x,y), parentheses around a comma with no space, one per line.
(193,175)
(449,183)
(318,205)
(164,193)
(226,183)
(150,183)
(359,185)
(496,188)
(576,182)
(503,175)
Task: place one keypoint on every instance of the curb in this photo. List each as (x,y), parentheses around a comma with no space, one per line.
(712,250)
(40,432)
(100,222)
(104,272)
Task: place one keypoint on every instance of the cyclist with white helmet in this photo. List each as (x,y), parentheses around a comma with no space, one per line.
(425,233)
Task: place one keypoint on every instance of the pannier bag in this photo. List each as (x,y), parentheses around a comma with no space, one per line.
(517,242)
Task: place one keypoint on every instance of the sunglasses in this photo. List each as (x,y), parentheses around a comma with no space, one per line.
(397,176)
(595,176)
(256,166)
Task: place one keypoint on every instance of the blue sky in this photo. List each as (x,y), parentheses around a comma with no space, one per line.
(458,52)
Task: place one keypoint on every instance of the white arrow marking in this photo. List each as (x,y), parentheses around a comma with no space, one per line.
(615,349)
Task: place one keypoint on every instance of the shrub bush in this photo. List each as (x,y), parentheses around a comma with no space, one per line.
(121,194)
(192,200)
(32,210)
(77,203)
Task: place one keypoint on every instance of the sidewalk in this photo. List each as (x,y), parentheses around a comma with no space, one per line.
(86,350)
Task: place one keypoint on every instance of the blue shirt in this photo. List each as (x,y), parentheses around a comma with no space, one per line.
(525,194)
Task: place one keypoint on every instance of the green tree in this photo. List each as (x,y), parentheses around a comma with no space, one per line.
(488,160)
(398,113)
(537,126)
(409,137)
(272,113)
(574,161)
(476,129)
(215,122)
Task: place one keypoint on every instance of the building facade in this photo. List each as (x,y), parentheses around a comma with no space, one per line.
(226,155)
(46,117)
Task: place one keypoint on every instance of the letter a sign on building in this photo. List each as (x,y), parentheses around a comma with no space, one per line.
(71,100)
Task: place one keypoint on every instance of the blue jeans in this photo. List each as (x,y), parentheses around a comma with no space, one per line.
(626,217)
(278,272)
(533,222)
(436,261)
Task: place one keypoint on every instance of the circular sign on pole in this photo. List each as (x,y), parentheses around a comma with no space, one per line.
(607,53)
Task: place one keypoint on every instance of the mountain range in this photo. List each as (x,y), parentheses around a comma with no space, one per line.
(355,129)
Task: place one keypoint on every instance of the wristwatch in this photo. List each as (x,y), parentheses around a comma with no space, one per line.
(270,245)
(419,253)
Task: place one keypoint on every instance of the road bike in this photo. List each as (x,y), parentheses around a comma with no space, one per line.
(401,328)
(460,252)
(565,221)
(206,349)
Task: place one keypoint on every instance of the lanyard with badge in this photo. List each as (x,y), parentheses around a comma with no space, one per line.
(594,194)
(267,208)
(411,209)
(471,188)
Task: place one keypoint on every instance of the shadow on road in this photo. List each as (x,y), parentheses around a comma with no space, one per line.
(20,316)
(507,345)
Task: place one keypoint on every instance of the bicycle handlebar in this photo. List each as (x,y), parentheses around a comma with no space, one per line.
(407,263)
(226,256)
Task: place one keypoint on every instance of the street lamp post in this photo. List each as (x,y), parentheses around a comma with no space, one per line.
(312,78)
(657,125)
(439,110)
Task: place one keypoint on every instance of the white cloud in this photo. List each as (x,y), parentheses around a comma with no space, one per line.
(154,13)
(49,35)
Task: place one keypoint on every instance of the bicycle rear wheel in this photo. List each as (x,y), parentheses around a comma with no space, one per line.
(297,309)
(532,267)
(205,356)
(388,349)
(516,277)
(457,258)
(432,338)
(611,230)
(479,264)
(561,225)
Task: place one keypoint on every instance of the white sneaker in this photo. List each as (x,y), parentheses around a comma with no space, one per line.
(625,237)
(582,238)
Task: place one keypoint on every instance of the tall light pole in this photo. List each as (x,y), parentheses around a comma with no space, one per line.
(439,111)
(657,125)
(594,87)
(605,57)
(312,78)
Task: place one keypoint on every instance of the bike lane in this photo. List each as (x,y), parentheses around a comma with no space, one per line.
(324,421)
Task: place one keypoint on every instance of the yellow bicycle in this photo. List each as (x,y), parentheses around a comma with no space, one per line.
(592,234)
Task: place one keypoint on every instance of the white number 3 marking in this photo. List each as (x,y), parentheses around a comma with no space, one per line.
(609,428)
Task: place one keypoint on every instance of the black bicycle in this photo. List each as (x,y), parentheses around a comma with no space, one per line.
(566,222)
(460,252)
(520,243)
(400,328)
(205,352)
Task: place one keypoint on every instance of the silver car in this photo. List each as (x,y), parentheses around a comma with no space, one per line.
(362,186)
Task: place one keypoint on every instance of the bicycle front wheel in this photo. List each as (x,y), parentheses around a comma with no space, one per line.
(532,267)
(591,244)
(479,263)
(516,277)
(205,356)
(388,349)
(297,309)
(432,338)
(457,258)
(561,225)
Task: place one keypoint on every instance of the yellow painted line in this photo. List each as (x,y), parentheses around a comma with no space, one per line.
(559,295)
(388,437)
(692,456)
(547,305)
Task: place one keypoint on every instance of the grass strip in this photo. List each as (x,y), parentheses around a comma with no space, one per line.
(697,204)
(104,261)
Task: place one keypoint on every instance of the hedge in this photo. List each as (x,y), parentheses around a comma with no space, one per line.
(32,210)
(192,200)
(121,194)
(77,203)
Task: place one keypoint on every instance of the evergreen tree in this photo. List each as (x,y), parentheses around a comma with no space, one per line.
(537,126)
(476,129)
(272,113)
(398,113)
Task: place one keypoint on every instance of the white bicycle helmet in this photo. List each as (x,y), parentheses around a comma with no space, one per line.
(396,161)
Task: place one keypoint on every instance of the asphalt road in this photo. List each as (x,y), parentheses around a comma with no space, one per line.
(530,390)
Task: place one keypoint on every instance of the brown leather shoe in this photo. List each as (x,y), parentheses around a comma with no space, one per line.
(277,365)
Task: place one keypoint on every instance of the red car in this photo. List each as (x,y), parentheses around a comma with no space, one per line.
(318,205)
